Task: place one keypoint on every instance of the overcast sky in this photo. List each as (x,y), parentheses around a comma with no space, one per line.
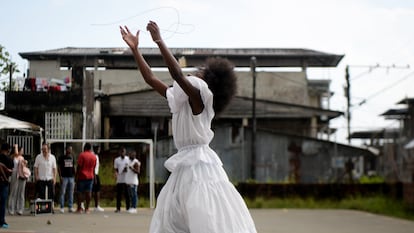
(367,32)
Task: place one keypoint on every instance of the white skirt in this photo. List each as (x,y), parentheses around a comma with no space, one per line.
(199,198)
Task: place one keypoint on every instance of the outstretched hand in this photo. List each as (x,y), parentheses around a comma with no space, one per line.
(153,28)
(129,38)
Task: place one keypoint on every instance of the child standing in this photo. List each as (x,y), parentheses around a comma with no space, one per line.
(198,196)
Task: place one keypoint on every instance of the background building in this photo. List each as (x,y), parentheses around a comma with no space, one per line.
(98,93)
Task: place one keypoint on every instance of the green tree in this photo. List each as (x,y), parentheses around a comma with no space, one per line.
(5,64)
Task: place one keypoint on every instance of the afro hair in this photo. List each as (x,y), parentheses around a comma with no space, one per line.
(220,77)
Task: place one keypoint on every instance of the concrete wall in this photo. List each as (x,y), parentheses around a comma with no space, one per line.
(288,87)
(318,161)
(47,69)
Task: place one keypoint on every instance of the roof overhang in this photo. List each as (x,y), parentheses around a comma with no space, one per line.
(406,101)
(121,57)
(395,114)
(376,134)
(12,123)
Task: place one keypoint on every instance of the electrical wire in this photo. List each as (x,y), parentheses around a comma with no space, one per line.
(386,88)
(175,25)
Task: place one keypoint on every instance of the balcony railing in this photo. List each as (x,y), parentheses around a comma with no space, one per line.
(43,101)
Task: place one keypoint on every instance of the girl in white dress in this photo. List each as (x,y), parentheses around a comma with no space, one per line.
(198,196)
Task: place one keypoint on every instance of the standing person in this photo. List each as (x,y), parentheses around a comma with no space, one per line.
(6,166)
(131,179)
(66,170)
(17,182)
(121,168)
(96,189)
(84,175)
(198,196)
(45,171)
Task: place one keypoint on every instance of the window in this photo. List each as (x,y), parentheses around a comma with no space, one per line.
(58,125)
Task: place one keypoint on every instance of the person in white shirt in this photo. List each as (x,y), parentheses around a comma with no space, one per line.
(45,173)
(121,168)
(132,181)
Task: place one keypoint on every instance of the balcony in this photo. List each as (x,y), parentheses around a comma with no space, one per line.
(32,101)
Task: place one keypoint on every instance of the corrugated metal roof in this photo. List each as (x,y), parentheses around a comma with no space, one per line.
(376,134)
(407,101)
(266,57)
(395,112)
(79,51)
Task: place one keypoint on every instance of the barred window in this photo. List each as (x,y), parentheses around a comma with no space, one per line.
(58,125)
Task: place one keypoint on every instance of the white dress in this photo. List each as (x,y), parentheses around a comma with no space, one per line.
(198,196)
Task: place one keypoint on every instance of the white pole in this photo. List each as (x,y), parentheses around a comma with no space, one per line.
(84,123)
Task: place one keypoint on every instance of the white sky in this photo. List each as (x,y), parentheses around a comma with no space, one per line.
(367,32)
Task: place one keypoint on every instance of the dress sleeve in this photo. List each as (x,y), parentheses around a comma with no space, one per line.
(177,97)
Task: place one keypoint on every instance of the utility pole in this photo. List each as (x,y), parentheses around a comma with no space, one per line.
(348,103)
(348,88)
(253,159)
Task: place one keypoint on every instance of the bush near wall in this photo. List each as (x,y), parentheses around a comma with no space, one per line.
(253,190)
(320,191)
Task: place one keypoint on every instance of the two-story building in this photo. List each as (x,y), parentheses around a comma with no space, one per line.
(98,93)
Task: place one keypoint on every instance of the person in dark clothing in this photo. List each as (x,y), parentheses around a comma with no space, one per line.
(6,166)
(66,170)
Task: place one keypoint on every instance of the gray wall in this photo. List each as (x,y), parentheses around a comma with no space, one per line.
(319,161)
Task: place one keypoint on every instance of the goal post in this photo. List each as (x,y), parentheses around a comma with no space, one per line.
(146,141)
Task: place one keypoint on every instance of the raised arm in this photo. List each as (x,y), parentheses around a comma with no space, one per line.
(149,77)
(175,70)
(172,64)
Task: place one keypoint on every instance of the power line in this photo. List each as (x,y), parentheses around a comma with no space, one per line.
(386,88)
(348,87)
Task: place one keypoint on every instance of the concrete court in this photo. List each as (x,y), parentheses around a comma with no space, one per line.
(266,220)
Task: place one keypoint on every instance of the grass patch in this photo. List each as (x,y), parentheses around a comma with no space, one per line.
(376,204)
(106,173)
